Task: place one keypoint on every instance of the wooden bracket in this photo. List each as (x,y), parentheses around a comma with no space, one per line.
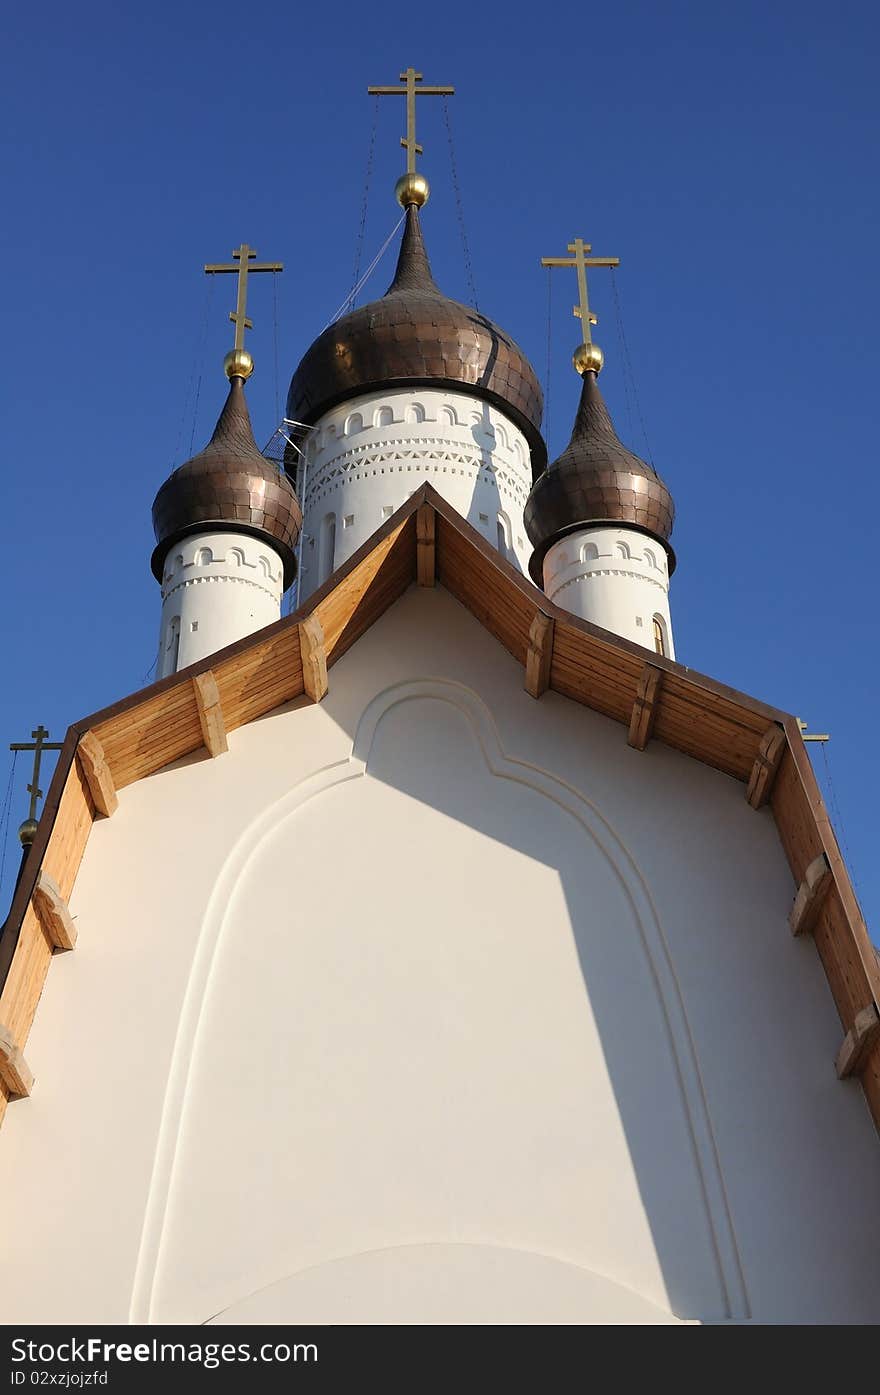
(767,762)
(858,1042)
(314,658)
(539,654)
(14,1070)
(52,912)
(817,882)
(98,775)
(641,723)
(426,551)
(210,713)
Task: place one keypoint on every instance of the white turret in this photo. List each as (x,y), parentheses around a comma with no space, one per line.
(600,521)
(226,527)
(409,388)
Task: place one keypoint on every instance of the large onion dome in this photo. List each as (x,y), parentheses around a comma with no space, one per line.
(415,336)
(596,480)
(231,487)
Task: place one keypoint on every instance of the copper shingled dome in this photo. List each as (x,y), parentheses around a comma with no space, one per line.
(231,486)
(416,337)
(596,480)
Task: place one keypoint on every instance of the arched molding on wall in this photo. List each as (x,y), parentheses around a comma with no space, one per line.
(652,941)
(415,412)
(586,1290)
(589,552)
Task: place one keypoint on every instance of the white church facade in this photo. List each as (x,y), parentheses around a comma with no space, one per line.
(443,952)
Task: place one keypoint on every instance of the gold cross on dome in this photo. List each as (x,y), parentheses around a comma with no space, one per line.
(241,266)
(410,91)
(581,261)
(38,746)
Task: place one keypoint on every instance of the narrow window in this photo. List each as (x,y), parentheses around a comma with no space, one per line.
(204,557)
(415,412)
(328,546)
(384,416)
(387,510)
(589,552)
(172,649)
(659,636)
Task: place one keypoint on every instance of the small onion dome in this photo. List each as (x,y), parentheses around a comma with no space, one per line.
(596,480)
(228,486)
(416,337)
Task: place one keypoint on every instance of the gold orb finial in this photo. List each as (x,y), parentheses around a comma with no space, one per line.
(238,364)
(412,189)
(27,832)
(588,358)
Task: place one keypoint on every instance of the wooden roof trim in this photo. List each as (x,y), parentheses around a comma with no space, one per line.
(602,667)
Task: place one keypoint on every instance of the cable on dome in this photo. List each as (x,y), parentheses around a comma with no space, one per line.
(5,814)
(349,299)
(359,245)
(275,340)
(549,347)
(628,369)
(201,361)
(468,268)
(198,354)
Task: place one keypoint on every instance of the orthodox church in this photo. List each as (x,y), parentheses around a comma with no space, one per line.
(445,951)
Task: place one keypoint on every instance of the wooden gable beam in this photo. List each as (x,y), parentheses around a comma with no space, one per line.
(817,882)
(426,550)
(52,912)
(539,654)
(641,723)
(99,777)
(858,1042)
(14,1070)
(314,658)
(210,713)
(767,762)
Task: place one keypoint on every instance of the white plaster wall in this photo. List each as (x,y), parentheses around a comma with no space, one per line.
(216,588)
(435,1014)
(366,457)
(617,578)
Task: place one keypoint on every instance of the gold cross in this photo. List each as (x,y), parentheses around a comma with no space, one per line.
(38,746)
(409,90)
(242,266)
(581,261)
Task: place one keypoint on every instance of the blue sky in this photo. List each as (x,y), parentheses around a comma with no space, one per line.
(726,155)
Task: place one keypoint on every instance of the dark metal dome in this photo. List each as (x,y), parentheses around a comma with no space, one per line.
(228,485)
(596,480)
(416,337)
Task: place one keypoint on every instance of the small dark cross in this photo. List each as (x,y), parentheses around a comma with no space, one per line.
(38,746)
